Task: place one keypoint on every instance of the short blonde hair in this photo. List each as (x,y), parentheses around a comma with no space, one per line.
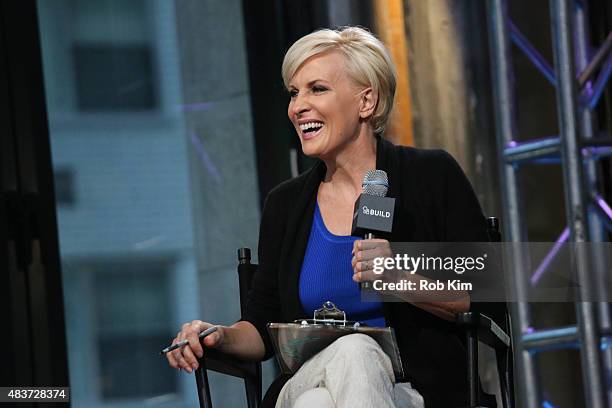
(368,63)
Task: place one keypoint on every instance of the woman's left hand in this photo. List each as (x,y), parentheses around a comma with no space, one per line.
(364,253)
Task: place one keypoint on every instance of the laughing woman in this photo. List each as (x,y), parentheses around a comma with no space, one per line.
(341,86)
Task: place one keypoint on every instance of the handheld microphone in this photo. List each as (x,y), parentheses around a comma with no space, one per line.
(373,212)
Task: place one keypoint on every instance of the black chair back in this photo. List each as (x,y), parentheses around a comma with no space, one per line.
(246,271)
(217,361)
(504,356)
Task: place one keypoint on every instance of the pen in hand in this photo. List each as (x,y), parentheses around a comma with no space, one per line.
(182,343)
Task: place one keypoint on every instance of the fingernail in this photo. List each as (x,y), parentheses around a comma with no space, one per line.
(195,366)
(188,370)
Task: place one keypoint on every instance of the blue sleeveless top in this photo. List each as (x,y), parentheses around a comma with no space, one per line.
(327,274)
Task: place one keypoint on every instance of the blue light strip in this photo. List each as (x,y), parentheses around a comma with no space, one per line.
(600,83)
(534,55)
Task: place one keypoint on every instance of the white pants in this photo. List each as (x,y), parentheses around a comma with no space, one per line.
(351,372)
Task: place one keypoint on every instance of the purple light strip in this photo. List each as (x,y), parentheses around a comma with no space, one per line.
(603,205)
(200,106)
(600,83)
(602,210)
(598,151)
(532,53)
(205,159)
(550,257)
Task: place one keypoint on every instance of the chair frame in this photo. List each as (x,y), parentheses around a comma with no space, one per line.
(223,363)
(477,327)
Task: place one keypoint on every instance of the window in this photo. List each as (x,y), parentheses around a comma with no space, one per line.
(114,77)
(64,186)
(132,310)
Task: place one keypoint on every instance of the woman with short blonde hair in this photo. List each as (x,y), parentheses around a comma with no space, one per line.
(341,85)
(367,61)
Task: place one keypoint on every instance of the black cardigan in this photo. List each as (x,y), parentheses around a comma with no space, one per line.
(434,202)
